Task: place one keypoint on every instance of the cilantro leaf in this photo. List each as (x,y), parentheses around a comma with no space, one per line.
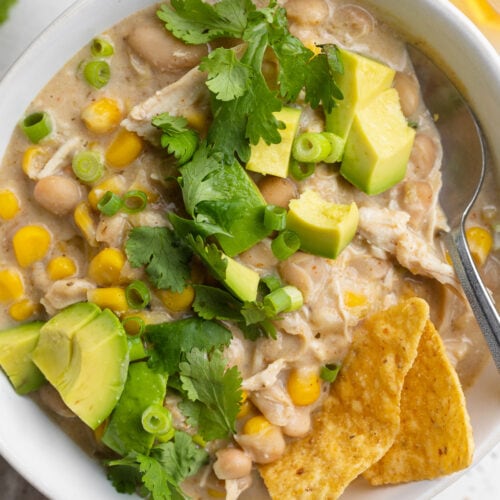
(178,139)
(195,22)
(5,6)
(228,78)
(214,393)
(214,303)
(170,341)
(166,258)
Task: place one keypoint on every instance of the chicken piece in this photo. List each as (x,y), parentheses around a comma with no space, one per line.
(389,230)
(63,293)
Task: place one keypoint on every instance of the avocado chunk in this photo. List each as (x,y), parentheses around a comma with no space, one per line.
(54,350)
(16,346)
(324,228)
(361,81)
(378,146)
(124,432)
(274,159)
(241,280)
(86,360)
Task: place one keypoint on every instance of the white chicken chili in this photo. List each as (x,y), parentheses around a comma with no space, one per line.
(198,211)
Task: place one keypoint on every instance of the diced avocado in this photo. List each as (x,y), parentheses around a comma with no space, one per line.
(54,350)
(273,159)
(136,349)
(324,228)
(241,280)
(124,432)
(361,81)
(378,146)
(16,346)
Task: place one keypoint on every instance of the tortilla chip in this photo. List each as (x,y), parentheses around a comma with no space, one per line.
(360,417)
(435,437)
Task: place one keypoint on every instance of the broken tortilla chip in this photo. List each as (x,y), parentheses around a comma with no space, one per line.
(435,436)
(360,417)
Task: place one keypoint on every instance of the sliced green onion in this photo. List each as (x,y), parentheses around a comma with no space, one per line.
(274,218)
(311,147)
(157,420)
(101,48)
(97,73)
(272,282)
(197,439)
(88,166)
(285,244)
(337,144)
(301,171)
(134,326)
(109,204)
(163,438)
(134,201)
(329,372)
(137,294)
(36,126)
(285,299)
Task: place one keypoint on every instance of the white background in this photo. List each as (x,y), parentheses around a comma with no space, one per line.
(27,19)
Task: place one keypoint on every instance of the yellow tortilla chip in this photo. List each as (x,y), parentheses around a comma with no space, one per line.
(360,417)
(435,436)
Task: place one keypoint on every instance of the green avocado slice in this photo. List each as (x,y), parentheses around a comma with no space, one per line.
(16,347)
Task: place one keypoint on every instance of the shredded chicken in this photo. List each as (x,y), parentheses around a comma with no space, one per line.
(63,293)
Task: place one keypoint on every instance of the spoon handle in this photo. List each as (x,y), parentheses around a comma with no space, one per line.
(476,292)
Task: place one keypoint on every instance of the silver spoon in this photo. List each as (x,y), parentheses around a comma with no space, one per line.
(464,168)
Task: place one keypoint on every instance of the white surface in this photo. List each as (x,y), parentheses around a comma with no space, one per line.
(27,20)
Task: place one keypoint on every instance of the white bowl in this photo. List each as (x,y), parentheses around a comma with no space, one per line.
(29,440)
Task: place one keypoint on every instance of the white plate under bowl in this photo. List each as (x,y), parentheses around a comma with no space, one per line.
(29,440)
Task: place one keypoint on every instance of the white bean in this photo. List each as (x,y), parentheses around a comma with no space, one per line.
(264,447)
(311,12)
(423,155)
(409,96)
(277,190)
(232,463)
(57,193)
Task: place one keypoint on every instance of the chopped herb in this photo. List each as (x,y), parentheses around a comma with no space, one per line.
(5,6)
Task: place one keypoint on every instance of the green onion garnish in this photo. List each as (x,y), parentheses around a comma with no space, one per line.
(137,294)
(134,201)
(274,218)
(88,166)
(109,204)
(285,244)
(97,73)
(311,147)
(337,144)
(285,299)
(301,171)
(101,48)
(329,372)
(157,420)
(37,126)
(272,282)
(134,326)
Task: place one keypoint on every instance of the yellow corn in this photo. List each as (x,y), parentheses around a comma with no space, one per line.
(102,116)
(245,405)
(105,268)
(31,244)
(304,386)
(85,222)
(112,298)
(313,47)
(61,267)
(197,120)
(124,149)
(33,160)
(115,184)
(353,299)
(11,286)
(480,242)
(22,310)
(9,205)
(177,301)
(216,493)
(100,430)
(256,425)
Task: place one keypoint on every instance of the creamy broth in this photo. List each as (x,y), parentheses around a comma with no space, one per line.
(396,252)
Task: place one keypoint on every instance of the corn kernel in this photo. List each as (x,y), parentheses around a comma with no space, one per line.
(197,120)
(124,149)
(102,116)
(34,158)
(216,493)
(353,299)
(106,267)
(177,301)
(85,223)
(100,430)
(22,310)
(11,286)
(112,298)
(115,184)
(9,205)
(31,244)
(304,386)
(245,405)
(313,47)
(61,267)
(480,242)
(256,425)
